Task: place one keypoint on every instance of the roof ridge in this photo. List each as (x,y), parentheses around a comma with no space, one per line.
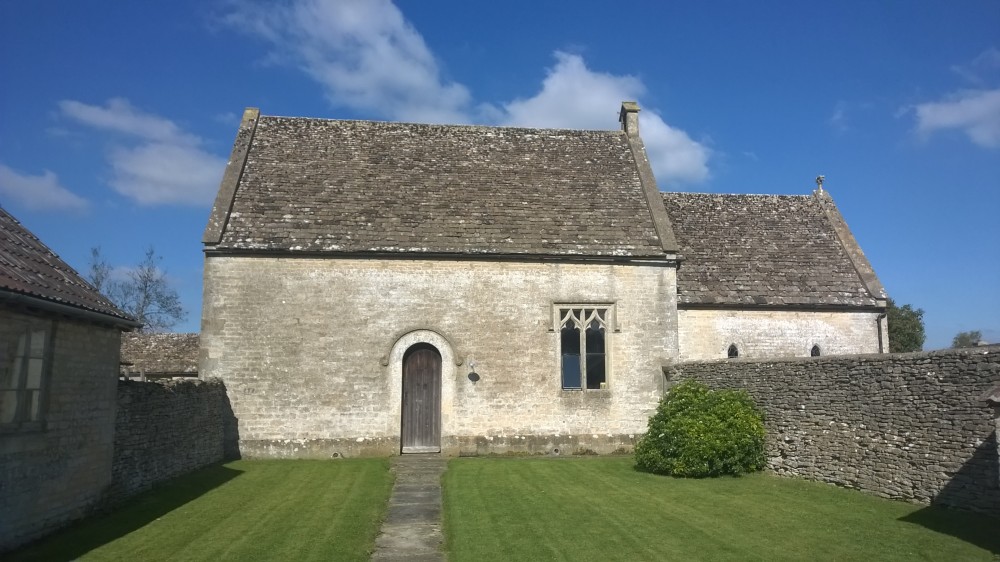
(442,125)
(796,195)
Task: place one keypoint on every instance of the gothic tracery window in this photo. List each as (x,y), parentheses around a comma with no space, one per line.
(583,347)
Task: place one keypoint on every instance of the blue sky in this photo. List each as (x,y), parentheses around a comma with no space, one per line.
(116,120)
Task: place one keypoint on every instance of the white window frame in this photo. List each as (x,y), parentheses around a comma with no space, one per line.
(23,388)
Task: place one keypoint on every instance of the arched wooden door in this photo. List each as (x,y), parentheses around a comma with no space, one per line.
(421,419)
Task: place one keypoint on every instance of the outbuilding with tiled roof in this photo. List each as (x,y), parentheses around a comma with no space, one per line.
(59,355)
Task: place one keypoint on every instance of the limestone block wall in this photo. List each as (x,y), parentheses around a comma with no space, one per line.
(311,351)
(57,473)
(164,429)
(904,426)
(706,334)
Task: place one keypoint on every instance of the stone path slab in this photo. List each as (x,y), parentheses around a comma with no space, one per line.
(412,528)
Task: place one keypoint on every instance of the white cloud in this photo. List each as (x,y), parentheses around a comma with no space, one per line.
(159,163)
(367,57)
(979,69)
(38,193)
(838,120)
(120,116)
(574,96)
(159,173)
(974,112)
(364,54)
(673,155)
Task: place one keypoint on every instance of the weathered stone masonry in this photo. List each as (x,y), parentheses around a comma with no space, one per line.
(56,474)
(311,352)
(903,426)
(165,429)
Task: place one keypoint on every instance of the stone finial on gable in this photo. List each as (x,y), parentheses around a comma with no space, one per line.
(819,183)
(629,117)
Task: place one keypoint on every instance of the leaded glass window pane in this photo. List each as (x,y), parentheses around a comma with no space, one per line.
(35,410)
(34,373)
(572,376)
(8,405)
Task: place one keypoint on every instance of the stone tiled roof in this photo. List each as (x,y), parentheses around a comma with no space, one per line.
(314,185)
(30,269)
(160,354)
(778,250)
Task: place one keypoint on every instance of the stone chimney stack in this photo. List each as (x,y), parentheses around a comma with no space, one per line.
(629,118)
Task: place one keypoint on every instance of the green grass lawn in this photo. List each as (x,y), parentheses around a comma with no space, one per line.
(245,510)
(518,509)
(602,509)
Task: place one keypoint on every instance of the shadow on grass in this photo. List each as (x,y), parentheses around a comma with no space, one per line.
(973,528)
(972,487)
(84,536)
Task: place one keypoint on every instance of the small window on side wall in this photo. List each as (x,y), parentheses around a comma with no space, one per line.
(814,352)
(733,352)
(26,352)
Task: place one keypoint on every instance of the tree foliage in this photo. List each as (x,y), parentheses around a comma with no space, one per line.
(698,432)
(143,291)
(906,327)
(967,339)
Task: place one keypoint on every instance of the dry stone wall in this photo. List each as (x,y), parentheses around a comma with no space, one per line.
(164,429)
(904,426)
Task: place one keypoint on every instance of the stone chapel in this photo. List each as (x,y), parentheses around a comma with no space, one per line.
(377,288)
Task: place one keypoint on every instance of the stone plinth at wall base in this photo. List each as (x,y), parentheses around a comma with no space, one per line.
(451,446)
(319,448)
(545,444)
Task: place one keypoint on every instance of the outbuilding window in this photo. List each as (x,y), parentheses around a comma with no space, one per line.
(25,355)
(583,346)
(814,352)
(733,351)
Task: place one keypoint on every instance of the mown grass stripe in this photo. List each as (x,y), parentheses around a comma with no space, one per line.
(602,509)
(246,510)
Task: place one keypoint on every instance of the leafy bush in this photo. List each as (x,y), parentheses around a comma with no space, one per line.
(698,432)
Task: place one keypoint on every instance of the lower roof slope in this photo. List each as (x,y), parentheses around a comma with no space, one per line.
(29,268)
(775,250)
(317,185)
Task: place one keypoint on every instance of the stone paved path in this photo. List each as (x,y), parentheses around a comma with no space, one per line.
(412,528)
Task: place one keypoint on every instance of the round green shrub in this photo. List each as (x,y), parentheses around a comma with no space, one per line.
(698,432)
